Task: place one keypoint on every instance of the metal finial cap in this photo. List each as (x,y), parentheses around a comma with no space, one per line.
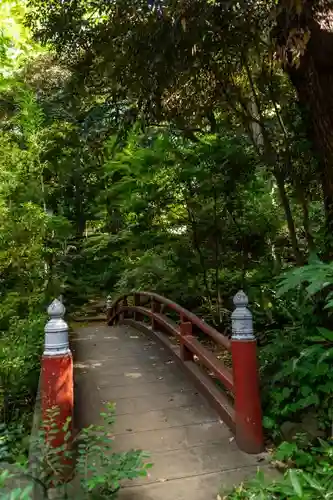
(242,327)
(240,299)
(56,331)
(56,309)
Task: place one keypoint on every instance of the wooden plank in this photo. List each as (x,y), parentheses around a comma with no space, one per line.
(203,382)
(215,396)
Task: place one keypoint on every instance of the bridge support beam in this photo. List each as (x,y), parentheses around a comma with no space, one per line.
(57,392)
(248,416)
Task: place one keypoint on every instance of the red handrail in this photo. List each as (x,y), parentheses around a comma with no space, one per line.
(185,315)
(240,406)
(190,345)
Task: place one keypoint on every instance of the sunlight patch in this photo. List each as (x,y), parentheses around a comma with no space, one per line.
(95,365)
(81,365)
(133,375)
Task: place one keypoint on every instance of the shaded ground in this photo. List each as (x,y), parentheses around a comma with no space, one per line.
(158,410)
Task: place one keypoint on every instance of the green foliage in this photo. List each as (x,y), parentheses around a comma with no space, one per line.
(31,242)
(162,149)
(317,276)
(296,365)
(309,476)
(15,40)
(20,358)
(100,470)
(181,214)
(15,493)
(300,384)
(20,351)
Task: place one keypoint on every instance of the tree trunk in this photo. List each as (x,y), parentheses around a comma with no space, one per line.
(289,217)
(315,91)
(306,217)
(313,81)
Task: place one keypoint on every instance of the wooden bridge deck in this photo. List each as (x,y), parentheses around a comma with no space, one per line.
(159,411)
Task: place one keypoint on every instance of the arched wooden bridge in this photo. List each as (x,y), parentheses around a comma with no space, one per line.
(183,391)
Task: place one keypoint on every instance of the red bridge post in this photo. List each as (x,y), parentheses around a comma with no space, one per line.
(248,416)
(57,392)
(185,331)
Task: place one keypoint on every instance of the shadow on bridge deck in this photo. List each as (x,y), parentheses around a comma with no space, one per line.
(158,410)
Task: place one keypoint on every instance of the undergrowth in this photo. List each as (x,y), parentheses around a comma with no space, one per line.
(296,369)
(100,470)
(308,475)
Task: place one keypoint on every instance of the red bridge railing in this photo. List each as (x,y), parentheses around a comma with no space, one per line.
(236,396)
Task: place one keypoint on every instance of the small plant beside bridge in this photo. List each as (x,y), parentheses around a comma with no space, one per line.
(89,458)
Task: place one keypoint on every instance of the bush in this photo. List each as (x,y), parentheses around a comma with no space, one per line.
(100,470)
(20,363)
(298,378)
(296,360)
(310,476)
(21,341)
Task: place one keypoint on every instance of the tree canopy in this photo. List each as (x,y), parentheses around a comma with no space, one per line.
(183,147)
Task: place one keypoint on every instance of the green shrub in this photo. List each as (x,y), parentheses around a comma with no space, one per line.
(309,476)
(21,338)
(302,383)
(296,361)
(98,467)
(20,350)
(100,470)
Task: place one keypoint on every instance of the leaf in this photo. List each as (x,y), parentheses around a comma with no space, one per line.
(286,391)
(326,334)
(314,259)
(306,390)
(329,304)
(312,482)
(317,286)
(293,476)
(316,338)
(268,422)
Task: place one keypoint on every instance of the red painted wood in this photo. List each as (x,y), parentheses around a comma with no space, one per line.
(249,432)
(185,333)
(153,310)
(216,397)
(159,319)
(202,381)
(218,337)
(211,362)
(243,381)
(57,392)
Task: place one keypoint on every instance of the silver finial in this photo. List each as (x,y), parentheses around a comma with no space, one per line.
(240,299)
(56,330)
(242,325)
(56,309)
